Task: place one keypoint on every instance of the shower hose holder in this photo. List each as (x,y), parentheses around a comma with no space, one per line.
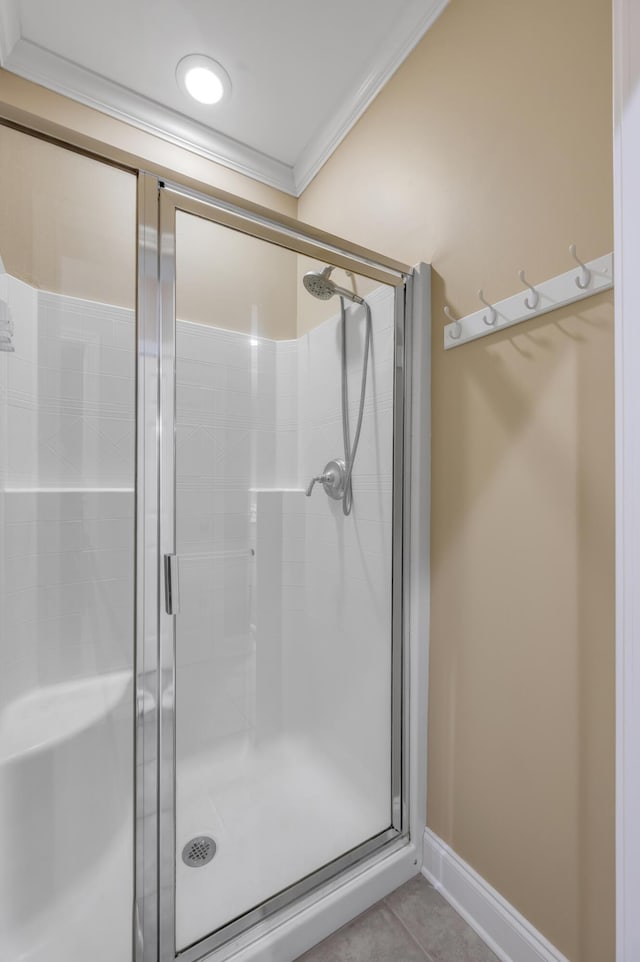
(331,479)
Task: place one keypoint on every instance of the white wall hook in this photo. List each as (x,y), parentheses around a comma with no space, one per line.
(586,273)
(456,330)
(536,295)
(493,315)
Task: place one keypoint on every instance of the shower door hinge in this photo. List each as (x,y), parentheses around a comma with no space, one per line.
(171,584)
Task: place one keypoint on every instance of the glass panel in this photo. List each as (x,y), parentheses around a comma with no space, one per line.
(67,446)
(283,642)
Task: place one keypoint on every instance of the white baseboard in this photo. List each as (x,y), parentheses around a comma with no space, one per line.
(506,932)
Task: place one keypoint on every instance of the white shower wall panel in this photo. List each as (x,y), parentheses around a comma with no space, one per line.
(286,413)
(338,645)
(236,431)
(321,669)
(67,423)
(71,393)
(252,414)
(68,595)
(68,428)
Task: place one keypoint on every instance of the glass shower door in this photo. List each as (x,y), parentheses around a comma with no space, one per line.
(285,763)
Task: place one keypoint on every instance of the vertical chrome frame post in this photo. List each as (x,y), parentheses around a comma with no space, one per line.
(417,495)
(167,692)
(145,947)
(400,535)
(403,529)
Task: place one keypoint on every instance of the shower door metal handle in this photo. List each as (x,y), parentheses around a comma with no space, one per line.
(171,584)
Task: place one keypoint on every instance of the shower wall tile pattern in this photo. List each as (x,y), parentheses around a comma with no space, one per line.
(67,416)
(256,419)
(70,393)
(338,652)
(236,431)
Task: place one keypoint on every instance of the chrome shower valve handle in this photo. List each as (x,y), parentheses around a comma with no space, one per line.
(322,478)
(331,479)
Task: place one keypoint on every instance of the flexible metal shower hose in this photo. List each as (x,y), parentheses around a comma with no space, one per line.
(349,450)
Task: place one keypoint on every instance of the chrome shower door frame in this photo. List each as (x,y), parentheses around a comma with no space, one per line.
(329,899)
(156,871)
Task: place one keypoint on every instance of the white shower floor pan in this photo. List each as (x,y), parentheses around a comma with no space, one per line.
(277,812)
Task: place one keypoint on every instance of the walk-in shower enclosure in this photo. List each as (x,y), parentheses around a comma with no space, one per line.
(210,672)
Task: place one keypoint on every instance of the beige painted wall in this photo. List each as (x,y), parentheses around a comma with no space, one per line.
(68,223)
(490,150)
(230,280)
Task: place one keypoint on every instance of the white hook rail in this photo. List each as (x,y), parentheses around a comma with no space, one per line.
(575,285)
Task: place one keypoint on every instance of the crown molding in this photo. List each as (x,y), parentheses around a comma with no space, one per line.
(43,67)
(64,77)
(9,28)
(407,33)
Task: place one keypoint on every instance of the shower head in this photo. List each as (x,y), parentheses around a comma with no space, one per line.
(320,285)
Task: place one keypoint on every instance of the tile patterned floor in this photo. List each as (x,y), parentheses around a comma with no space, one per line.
(413,924)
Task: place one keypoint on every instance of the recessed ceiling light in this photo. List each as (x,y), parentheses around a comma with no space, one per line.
(202,78)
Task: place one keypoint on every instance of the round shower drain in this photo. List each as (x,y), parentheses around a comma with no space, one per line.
(198,851)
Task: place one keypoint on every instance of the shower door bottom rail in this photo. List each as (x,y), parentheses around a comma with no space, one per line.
(361,856)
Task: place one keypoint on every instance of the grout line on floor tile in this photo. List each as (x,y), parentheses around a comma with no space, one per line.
(343,928)
(428,957)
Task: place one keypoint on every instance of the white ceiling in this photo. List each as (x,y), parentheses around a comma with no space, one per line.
(302,72)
